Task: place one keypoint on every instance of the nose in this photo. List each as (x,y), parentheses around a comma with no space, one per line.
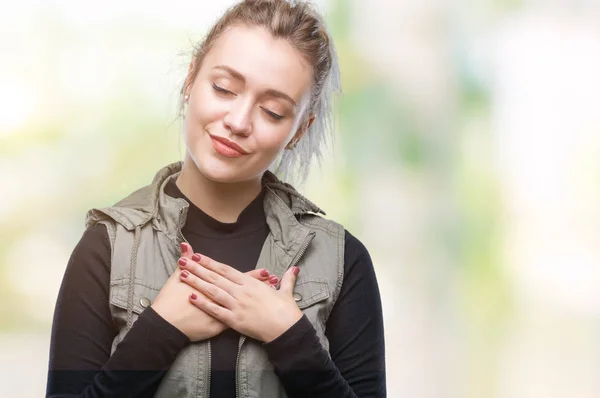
(238,117)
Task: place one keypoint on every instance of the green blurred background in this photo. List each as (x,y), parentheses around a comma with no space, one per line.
(466,159)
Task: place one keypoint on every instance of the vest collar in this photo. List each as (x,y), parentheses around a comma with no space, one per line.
(150,204)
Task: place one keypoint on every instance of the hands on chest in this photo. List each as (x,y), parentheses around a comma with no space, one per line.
(203,297)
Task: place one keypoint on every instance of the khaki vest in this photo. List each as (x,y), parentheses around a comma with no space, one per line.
(145,236)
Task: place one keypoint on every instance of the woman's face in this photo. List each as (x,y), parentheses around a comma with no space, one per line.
(252,89)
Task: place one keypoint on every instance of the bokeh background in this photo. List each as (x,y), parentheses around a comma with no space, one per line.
(467,159)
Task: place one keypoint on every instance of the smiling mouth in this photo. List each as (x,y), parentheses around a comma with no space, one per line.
(225,148)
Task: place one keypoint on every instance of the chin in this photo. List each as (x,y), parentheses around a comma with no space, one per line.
(218,171)
(218,168)
(213,171)
(211,168)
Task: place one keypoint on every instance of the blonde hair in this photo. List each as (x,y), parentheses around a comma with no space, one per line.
(304,28)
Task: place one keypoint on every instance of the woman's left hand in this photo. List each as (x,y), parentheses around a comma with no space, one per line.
(242,302)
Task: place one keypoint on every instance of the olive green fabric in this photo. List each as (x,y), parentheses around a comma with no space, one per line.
(145,236)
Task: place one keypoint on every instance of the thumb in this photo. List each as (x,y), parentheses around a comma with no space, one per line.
(186,250)
(288,280)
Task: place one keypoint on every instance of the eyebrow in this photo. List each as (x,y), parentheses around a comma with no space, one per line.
(272,92)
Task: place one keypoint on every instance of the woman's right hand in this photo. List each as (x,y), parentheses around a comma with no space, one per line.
(173,305)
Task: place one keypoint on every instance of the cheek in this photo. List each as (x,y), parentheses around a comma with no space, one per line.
(204,108)
(272,138)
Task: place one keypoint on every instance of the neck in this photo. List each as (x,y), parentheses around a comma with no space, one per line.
(222,201)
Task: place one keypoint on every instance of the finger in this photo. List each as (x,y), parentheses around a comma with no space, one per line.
(213,309)
(208,275)
(273,280)
(288,280)
(186,250)
(260,274)
(221,269)
(212,292)
(197,293)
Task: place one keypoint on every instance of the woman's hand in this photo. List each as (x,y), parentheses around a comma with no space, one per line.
(173,305)
(240,301)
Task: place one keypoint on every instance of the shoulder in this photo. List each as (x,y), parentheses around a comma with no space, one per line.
(358,265)
(91,256)
(319,223)
(355,249)
(94,238)
(137,207)
(351,243)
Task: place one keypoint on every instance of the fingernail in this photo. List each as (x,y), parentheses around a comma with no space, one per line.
(196,257)
(193,296)
(264,272)
(185,274)
(296,270)
(182,261)
(183,246)
(273,279)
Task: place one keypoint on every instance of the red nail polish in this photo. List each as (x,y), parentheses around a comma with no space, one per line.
(193,296)
(264,272)
(185,274)
(182,261)
(183,246)
(196,257)
(296,270)
(273,279)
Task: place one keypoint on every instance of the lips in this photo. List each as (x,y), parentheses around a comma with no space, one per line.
(230,144)
(227,148)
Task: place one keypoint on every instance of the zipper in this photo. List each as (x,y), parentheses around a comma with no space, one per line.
(294,261)
(179,223)
(209,367)
(209,371)
(237,366)
(303,248)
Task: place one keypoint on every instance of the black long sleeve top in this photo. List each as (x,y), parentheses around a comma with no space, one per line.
(80,364)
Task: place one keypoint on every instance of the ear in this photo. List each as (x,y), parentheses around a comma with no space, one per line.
(188,79)
(311,119)
(301,131)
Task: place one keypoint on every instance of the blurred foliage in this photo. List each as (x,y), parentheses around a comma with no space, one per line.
(121,140)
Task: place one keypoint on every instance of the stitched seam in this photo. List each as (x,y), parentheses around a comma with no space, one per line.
(324,228)
(320,221)
(321,293)
(279,202)
(199,379)
(124,281)
(340,249)
(312,300)
(309,280)
(122,304)
(168,237)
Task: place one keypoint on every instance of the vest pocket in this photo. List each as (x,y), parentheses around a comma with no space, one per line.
(309,291)
(143,295)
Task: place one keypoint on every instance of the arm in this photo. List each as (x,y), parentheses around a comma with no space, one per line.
(355,334)
(80,363)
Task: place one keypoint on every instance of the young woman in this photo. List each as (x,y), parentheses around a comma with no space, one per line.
(218,279)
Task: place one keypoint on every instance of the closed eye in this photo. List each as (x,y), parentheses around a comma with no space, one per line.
(273,115)
(221,89)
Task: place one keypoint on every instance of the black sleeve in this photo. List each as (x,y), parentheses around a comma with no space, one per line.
(355,334)
(80,364)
